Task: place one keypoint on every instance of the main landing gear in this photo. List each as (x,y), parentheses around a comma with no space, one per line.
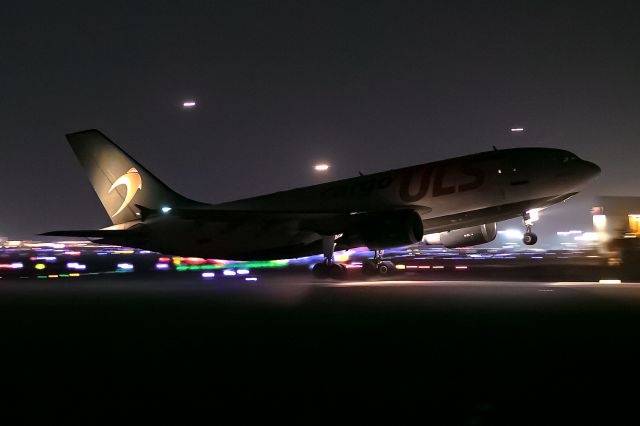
(326,268)
(529,237)
(377,266)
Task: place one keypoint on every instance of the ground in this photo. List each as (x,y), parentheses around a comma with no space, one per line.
(456,352)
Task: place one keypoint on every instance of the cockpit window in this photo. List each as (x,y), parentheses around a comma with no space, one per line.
(568,158)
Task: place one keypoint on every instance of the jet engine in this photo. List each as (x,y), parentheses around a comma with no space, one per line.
(464,237)
(383,230)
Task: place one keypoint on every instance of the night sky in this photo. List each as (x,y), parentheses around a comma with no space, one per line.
(365,86)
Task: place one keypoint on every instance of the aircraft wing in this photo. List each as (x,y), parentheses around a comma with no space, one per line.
(92,233)
(229,215)
(321,222)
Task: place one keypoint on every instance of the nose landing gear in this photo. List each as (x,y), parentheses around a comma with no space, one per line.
(529,238)
(377,265)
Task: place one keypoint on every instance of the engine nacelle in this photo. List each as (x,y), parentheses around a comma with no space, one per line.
(464,237)
(384,230)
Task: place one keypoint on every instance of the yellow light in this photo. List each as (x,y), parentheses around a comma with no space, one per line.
(53,276)
(75,274)
(40,266)
(610,282)
(342,257)
(400,267)
(177,260)
(634,223)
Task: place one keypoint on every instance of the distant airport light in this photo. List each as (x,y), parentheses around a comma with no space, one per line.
(189,104)
(166,209)
(321,167)
(588,237)
(125,266)
(600,222)
(511,234)
(517,129)
(77,266)
(251,279)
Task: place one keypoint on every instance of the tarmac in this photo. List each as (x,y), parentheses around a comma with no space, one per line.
(450,352)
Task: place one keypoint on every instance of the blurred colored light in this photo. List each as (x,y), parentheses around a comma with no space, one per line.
(229,272)
(610,282)
(251,279)
(40,266)
(401,267)
(76,265)
(189,104)
(321,167)
(46,258)
(511,234)
(517,129)
(166,209)
(164,259)
(162,266)
(208,274)
(461,267)
(243,271)
(125,266)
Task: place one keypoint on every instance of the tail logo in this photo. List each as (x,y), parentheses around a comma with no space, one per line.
(133,182)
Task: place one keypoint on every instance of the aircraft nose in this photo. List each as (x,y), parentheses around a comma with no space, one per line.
(591,170)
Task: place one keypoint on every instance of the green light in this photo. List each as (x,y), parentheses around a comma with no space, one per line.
(255,264)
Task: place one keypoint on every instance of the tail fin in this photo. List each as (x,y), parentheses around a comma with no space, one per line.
(119,180)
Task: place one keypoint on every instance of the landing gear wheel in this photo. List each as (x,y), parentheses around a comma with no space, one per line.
(530,238)
(386,268)
(369,267)
(320,270)
(337,271)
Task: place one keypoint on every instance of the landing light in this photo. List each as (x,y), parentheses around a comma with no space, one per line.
(166,209)
(321,167)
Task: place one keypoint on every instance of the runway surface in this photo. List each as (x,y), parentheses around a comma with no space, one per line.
(452,352)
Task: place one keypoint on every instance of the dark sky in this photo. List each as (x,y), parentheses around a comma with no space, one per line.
(280,85)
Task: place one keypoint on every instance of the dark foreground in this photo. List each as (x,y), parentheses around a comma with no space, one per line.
(130,350)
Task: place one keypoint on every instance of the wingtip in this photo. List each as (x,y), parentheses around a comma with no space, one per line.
(85,132)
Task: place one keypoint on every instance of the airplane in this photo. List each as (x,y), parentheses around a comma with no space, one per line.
(454,202)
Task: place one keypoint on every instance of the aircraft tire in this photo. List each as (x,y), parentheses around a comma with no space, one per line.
(337,271)
(320,270)
(530,238)
(369,267)
(386,268)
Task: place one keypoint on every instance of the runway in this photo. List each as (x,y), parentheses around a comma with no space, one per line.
(455,352)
